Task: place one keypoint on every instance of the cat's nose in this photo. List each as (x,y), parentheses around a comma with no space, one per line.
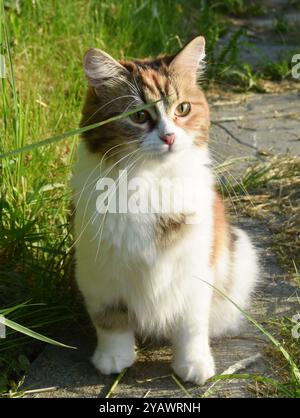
(168,139)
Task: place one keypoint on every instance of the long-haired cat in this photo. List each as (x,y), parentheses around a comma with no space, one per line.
(154,271)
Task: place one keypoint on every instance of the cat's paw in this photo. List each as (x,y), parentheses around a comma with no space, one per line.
(195,371)
(110,363)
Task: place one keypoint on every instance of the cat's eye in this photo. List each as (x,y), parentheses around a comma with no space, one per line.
(140,117)
(183,109)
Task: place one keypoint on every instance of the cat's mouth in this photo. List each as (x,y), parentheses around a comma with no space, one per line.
(170,148)
(163,151)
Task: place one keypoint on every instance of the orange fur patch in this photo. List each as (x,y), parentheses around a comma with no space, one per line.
(221,238)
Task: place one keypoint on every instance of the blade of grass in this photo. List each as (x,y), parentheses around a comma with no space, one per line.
(232,161)
(232,370)
(30,333)
(115,383)
(257,378)
(274,341)
(74,132)
(178,383)
(13,308)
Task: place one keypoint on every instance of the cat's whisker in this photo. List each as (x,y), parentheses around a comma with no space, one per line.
(227,187)
(86,184)
(109,103)
(100,163)
(222,183)
(108,171)
(237,182)
(134,141)
(128,106)
(100,229)
(134,86)
(124,175)
(138,90)
(83,228)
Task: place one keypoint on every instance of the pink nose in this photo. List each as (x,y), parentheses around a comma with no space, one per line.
(168,139)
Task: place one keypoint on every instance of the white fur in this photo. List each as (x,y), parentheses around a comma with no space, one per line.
(114,352)
(162,288)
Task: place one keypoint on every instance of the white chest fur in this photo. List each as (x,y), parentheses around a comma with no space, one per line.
(117,253)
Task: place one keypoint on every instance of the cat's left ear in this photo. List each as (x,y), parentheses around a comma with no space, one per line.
(100,68)
(190,60)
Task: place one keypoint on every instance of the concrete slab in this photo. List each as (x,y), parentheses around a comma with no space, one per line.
(255,125)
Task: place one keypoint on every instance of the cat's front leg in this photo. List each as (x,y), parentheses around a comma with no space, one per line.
(114,352)
(193,360)
(115,341)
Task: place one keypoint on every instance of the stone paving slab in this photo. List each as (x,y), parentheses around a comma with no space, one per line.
(253,125)
(262,43)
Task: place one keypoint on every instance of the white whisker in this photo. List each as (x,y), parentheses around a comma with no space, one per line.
(127,172)
(83,228)
(95,168)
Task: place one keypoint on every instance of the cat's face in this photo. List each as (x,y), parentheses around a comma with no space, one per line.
(178,120)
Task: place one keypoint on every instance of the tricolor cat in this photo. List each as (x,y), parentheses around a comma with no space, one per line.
(154,271)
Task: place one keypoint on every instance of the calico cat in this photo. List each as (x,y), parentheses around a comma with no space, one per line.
(155,272)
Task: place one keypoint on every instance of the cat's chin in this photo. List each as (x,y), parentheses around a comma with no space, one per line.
(163,153)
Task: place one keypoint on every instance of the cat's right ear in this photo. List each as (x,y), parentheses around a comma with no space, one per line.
(100,68)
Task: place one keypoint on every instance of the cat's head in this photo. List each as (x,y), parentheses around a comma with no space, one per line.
(178,120)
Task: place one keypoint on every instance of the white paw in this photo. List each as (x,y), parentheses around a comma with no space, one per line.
(195,371)
(109,363)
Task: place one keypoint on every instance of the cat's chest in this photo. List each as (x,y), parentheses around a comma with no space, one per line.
(150,213)
(134,231)
(160,229)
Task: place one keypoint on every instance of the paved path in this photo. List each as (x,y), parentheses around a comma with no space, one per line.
(267,38)
(255,125)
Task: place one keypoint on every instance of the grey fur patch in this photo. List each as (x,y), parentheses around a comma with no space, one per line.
(113,317)
(170,228)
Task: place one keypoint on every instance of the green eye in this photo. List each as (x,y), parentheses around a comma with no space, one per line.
(140,117)
(183,109)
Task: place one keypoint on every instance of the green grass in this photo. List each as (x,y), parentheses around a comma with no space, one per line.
(43,43)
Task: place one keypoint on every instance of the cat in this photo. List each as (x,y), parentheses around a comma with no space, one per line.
(156,272)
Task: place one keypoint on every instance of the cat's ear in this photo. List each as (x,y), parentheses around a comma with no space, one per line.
(190,60)
(101,68)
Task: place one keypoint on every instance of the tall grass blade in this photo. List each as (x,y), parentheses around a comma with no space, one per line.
(74,132)
(32,334)
(115,383)
(275,342)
